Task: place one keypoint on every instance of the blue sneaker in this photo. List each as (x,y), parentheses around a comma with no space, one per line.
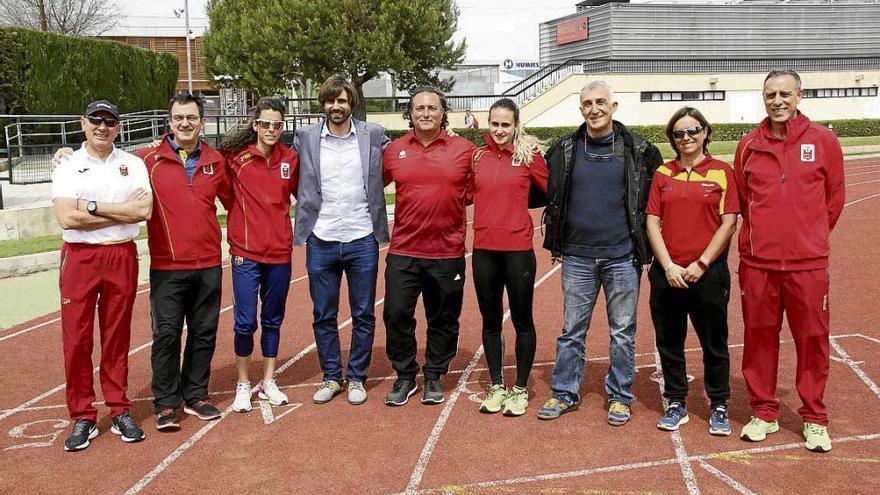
(719,424)
(553,408)
(676,415)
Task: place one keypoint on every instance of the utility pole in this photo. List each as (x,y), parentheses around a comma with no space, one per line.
(189,74)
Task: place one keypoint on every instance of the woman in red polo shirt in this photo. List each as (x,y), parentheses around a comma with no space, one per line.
(264,175)
(692,212)
(505,169)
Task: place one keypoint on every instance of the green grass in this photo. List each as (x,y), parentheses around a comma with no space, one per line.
(389,198)
(42,244)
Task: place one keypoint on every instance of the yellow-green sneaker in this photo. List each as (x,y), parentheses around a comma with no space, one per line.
(516,402)
(494,397)
(757,429)
(816,437)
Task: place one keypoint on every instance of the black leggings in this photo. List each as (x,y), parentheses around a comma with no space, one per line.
(515,270)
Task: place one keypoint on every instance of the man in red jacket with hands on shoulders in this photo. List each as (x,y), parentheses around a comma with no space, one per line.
(789,172)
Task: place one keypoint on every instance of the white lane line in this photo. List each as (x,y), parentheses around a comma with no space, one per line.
(736,485)
(733,454)
(863,182)
(266,412)
(861,199)
(862,166)
(863,173)
(173,456)
(428,449)
(855,367)
(199,434)
(24,405)
(681,455)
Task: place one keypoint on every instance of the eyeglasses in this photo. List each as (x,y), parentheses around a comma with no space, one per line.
(274,124)
(691,131)
(97,121)
(192,119)
(599,157)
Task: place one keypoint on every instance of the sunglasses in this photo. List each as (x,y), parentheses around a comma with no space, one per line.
(97,121)
(691,131)
(274,124)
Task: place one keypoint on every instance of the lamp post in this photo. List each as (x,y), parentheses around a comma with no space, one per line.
(185,13)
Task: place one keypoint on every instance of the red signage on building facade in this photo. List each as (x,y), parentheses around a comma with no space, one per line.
(577,29)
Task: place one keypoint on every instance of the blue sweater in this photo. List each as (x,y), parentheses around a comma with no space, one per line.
(597,226)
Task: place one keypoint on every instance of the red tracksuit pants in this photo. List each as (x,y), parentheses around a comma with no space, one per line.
(803,297)
(106,276)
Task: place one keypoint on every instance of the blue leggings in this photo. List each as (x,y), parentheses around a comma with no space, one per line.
(270,282)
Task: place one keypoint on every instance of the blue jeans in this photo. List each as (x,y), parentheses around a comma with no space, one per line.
(326,261)
(271,283)
(581,279)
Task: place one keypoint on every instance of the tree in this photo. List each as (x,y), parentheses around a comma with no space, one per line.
(74,17)
(265,45)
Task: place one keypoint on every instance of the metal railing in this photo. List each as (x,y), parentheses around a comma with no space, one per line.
(31,140)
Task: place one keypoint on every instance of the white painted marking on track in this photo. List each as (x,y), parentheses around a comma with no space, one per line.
(861,199)
(290,408)
(266,412)
(736,485)
(862,166)
(863,173)
(640,465)
(428,449)
(855,367)
(28,403)
(681,455)
(864,182)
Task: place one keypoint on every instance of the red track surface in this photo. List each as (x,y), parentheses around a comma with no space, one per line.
(452,448)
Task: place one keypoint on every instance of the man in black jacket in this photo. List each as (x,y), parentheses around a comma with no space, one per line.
(595,223)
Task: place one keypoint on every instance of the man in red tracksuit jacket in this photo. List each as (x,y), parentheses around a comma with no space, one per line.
(789,172)
(187,176)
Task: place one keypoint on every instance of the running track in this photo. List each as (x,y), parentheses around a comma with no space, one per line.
(452,448)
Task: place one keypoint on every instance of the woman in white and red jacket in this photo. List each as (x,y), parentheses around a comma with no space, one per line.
(505,169)
(264,175)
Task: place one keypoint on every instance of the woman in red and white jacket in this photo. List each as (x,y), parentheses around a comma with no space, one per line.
(505,169)
(264,175)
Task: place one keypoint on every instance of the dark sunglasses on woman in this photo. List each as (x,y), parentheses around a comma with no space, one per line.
(691,131)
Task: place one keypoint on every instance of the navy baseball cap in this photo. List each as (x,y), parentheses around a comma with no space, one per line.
(102,106)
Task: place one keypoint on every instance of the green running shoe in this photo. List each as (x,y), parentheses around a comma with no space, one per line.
(816,437)
(516,402)
(757,429)
(494,398)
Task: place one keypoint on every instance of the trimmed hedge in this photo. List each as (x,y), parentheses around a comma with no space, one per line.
(48,73)
(657,133)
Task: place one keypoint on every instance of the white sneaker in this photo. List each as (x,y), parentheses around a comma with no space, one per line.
(242,402)
(326,392)
(356,393)
(269,391)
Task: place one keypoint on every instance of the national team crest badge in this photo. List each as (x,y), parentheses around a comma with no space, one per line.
(808,153)
(123,170)
(402,154)
(208,169)
(285,170)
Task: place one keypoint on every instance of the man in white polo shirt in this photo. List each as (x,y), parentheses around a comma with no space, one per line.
(99,195)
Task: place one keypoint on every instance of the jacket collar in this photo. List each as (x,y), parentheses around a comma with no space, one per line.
(700,167)
(795,128)
(493,146)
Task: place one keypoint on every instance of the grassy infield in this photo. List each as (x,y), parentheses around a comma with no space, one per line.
(53,242)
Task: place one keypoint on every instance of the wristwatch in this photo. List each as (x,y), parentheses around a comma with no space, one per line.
(92,207)
(702,265)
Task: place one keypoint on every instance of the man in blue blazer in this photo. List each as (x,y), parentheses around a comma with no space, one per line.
(341,219)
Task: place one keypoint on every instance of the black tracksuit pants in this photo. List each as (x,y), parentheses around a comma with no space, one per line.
(440,282)
(178,296)
(515,270)
(705,302)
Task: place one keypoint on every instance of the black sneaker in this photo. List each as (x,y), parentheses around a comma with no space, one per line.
(167,420)
(81,435)
(400,393)
(433,392)
(203,409)
(126,428)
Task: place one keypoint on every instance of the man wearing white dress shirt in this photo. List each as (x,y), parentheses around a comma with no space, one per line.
(341,218)
(99,196)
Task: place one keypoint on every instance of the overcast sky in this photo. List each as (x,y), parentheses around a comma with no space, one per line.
(495,29)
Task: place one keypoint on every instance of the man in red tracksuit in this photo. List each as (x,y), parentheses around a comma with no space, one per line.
(789,172)
(187,177)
